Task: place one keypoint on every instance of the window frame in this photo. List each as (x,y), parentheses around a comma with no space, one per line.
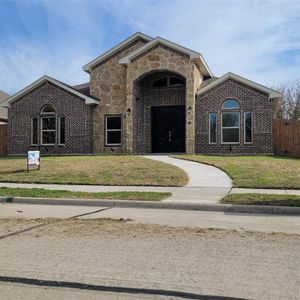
(37,131)
(48,130)
(232,108)
(168,83)
(209,127)
(113,130)
(59,131)
(248,112)
(232,127)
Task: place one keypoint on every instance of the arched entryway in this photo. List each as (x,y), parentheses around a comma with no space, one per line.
(159,113)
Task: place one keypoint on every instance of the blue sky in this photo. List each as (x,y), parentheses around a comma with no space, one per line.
(259,40)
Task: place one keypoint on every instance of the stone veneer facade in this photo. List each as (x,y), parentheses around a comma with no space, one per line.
(163,58)
(124,88)
(108,83)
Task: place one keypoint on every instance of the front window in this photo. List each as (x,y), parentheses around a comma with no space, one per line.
(34,131)
(113,135)
(212,128)
(230,104)
(48,125)
(230,127)
(248,127)
(171,81)
(48,129)
(62,127)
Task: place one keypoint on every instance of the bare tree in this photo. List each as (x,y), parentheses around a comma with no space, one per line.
(290,104)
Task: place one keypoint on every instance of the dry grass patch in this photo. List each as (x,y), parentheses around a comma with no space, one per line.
(94,170)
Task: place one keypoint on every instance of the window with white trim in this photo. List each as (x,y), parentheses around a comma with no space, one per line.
(113,130)
(230,104)
(48,126)
(34,131)
(61,132)
(230,128)
(212,128)
(248,127)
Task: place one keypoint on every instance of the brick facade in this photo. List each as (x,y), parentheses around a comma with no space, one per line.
(122,85)
(250,100)
(78,118)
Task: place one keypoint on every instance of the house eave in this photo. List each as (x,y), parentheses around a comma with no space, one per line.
(8,101)
(272,93)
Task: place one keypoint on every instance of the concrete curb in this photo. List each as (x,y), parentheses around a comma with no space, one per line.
(228,208)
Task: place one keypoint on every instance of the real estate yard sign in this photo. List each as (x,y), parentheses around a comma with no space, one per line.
(33,159)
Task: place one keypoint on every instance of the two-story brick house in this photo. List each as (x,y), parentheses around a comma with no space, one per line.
(145,95)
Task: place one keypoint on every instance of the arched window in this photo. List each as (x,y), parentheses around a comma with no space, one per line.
(48,125)
(230,104)
(48,110)
(230,122)
(171,81)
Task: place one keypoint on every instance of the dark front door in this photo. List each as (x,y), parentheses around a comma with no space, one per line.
(168,129)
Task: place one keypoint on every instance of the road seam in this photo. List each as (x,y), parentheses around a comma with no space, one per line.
(48,223)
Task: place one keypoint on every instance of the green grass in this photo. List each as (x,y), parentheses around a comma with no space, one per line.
(262,199)
(42,193)
(255,171)
(94,170)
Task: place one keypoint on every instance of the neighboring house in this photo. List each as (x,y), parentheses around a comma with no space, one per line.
(3,110)
(145,95)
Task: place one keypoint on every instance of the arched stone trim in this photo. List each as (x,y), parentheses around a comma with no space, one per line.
(162,59)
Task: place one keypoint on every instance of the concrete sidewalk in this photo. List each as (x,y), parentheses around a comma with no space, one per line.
(190,194)
(170,217)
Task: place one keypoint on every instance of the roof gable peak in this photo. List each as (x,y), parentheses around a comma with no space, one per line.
(272,93)
(45,78)
(196,56)
(113,50)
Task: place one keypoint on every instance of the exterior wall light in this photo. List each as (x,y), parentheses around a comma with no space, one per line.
(189,109)
(128,112)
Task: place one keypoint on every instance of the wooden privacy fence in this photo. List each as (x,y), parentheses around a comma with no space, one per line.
(286,137)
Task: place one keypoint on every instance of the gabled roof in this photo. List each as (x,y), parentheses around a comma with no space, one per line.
(270,92)
(88,100)
(83,88)
(115,49)
(196,56)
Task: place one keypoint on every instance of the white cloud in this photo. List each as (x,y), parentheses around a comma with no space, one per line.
(246,37)
(256,39)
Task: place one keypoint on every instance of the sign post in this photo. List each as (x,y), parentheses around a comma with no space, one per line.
(33,159)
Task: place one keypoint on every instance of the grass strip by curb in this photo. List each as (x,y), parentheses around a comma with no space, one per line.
(43,193)
(262,199)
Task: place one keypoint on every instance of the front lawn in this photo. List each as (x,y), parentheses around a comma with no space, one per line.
(255,171)
(262,199)
(42,193)
(95,170)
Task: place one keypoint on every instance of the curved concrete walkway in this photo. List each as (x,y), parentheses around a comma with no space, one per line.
(207,184)
(200,175)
